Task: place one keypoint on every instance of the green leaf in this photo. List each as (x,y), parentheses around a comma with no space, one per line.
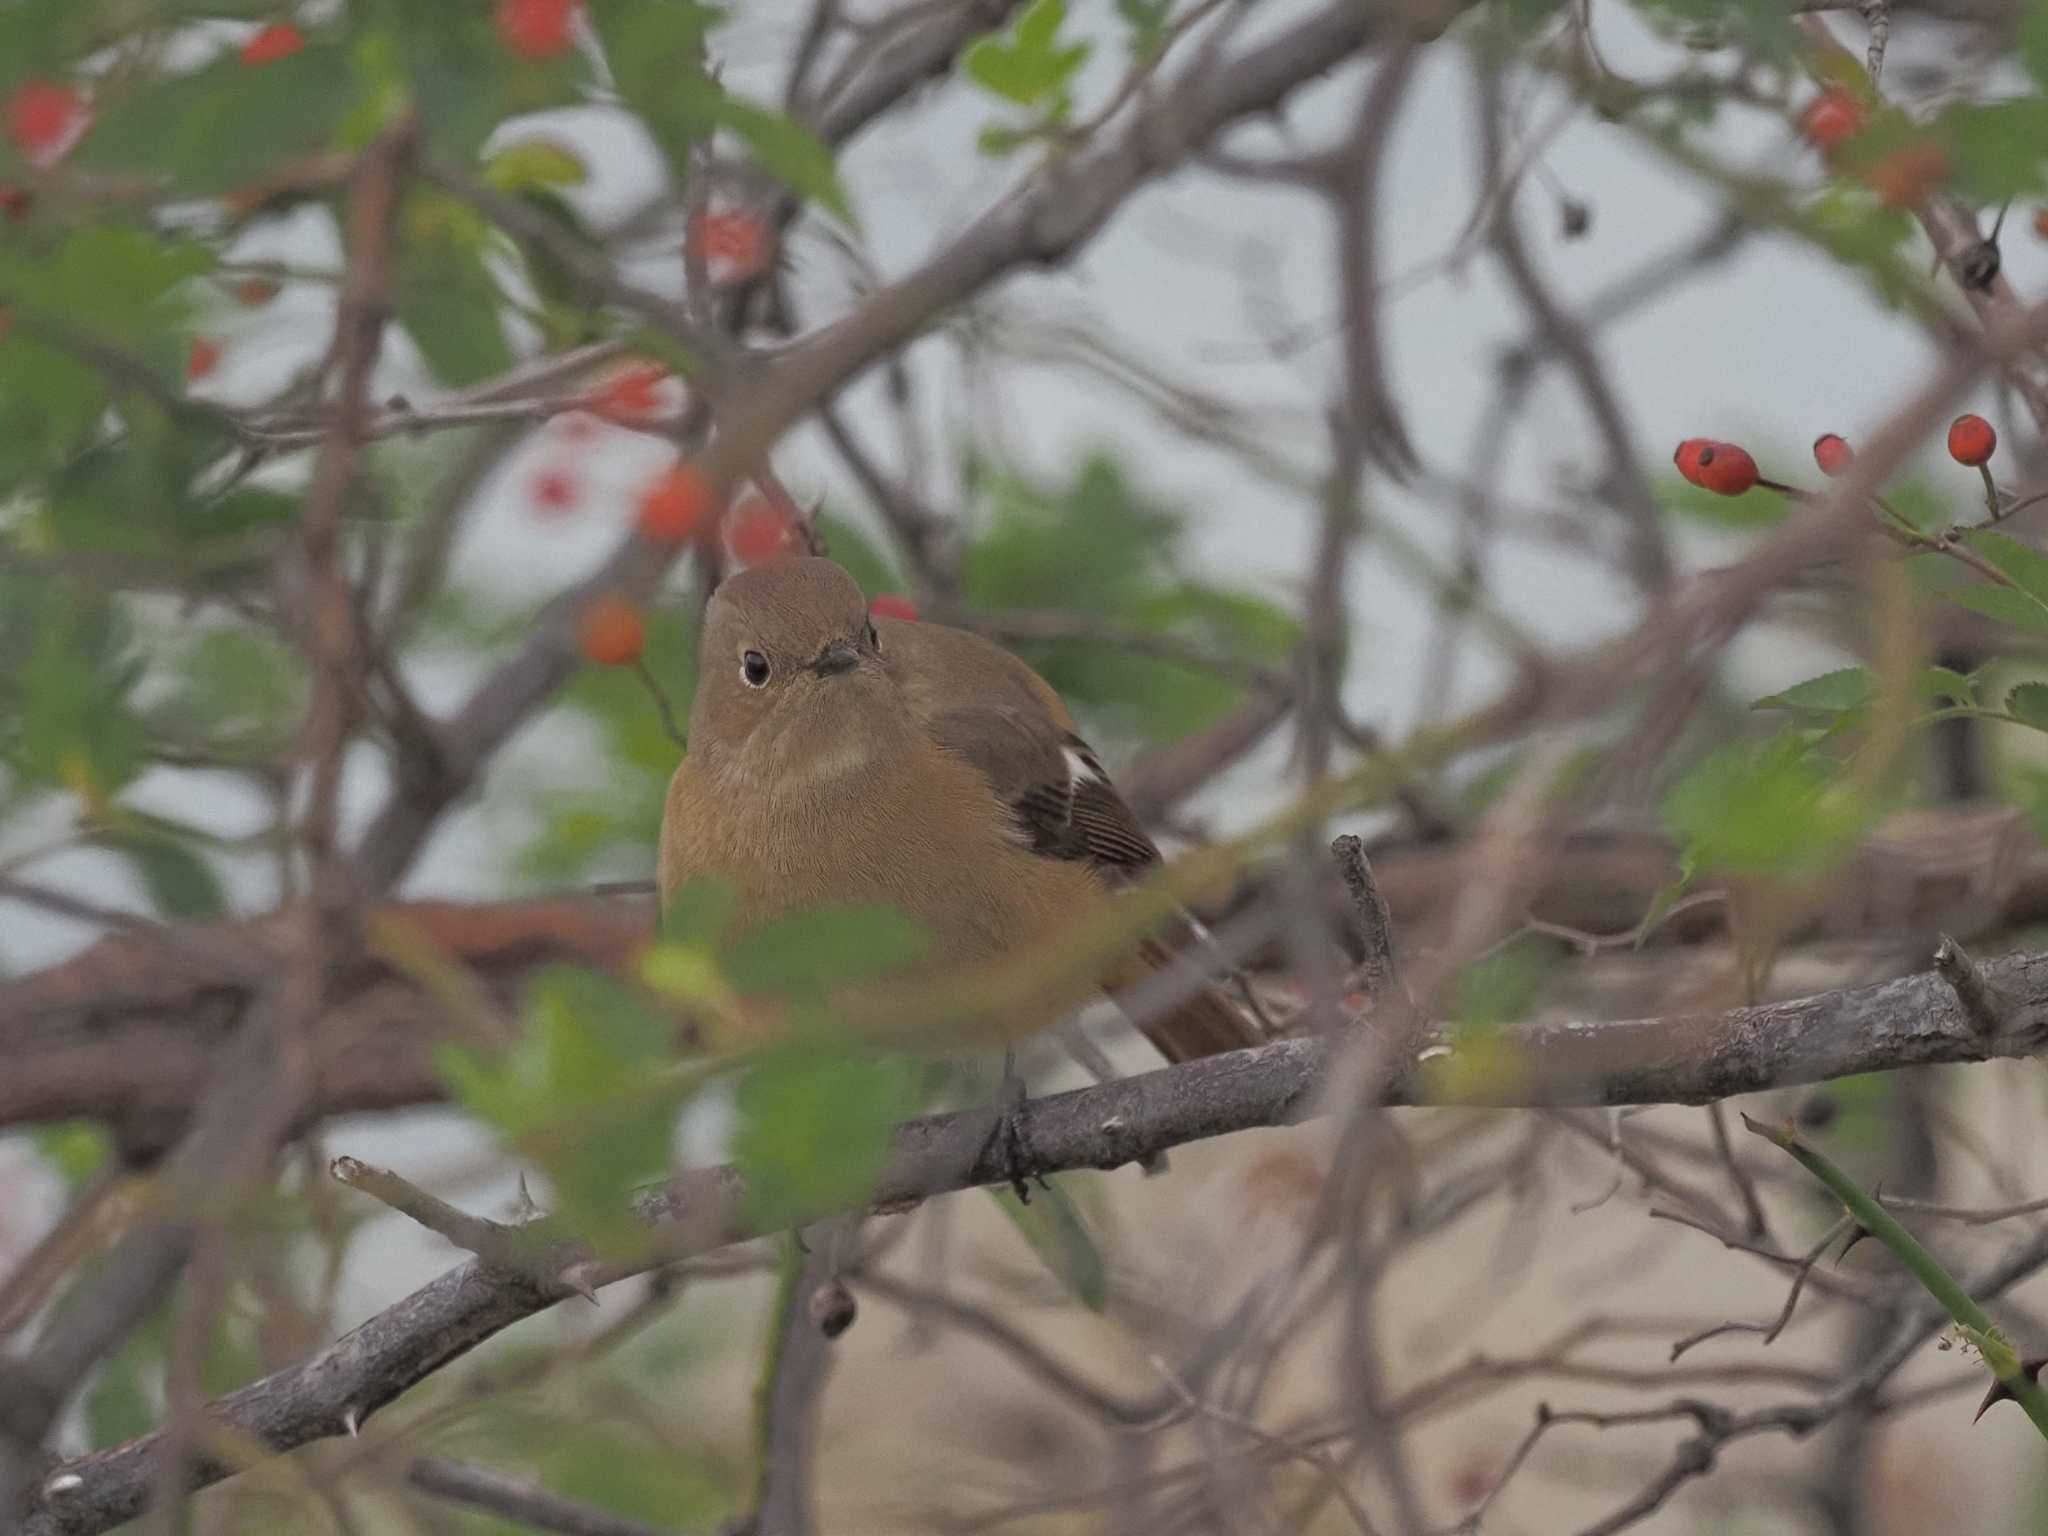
(2028,703)
(77,1149)
(534,163)
(1097,548)
(1147,21)
(1832,693)
(447,299)
(805,954)
(588,1057)
(2027,568)
(1029,66)
(656,52)
(814,1127)
(1053,1227)
(2033,40)
(1772,808)
(2005,604)
(118,1406)
(698,911)
(788,150)
(1947,683)
(181,883)
(1999,149)
(215,128)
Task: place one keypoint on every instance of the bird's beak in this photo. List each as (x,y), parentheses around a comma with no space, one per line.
(839,656)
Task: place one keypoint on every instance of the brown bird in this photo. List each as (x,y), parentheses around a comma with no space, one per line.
(840,760)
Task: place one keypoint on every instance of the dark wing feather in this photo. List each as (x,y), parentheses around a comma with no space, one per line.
(1062,802)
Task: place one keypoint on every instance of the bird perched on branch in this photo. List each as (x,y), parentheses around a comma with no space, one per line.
(841,760)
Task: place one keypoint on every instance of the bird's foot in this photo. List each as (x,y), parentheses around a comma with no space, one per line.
(1008,1138)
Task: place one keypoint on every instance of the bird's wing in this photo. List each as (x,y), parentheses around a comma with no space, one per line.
(1062,801)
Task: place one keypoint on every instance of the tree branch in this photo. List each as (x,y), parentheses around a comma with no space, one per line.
(1685,1058)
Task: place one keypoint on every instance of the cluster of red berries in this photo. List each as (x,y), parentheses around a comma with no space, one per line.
(1729,470)
(1901,177)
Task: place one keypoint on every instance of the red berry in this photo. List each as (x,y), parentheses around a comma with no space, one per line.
(1831,451)
(280,40)
(894,605)
(631,395)
(15,201)
(1719,467)
(1727,470)
(758,530)
(1903,178)
(676,505)
(1971,440)
(1687,458)
(2041,222)
(538,29)
(555,493)
(734,243)
(1832,118)
(612,632)
(202,358)
(43,118)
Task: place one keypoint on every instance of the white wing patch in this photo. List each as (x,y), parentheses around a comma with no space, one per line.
(1080,767)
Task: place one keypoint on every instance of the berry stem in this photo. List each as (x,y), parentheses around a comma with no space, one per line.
(1791,492)
(668,716)
(1990,492)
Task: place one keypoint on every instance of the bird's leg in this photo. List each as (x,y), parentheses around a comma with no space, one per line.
(1006,1137)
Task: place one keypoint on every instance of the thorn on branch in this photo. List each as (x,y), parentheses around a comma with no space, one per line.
(832,1308)
(1978,267)
(1375,927)
(1981,1004)
(2002,1392)
(533,1251)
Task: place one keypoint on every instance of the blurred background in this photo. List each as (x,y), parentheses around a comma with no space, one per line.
(1297,387)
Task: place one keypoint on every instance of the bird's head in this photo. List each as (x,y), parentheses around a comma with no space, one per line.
(789,668)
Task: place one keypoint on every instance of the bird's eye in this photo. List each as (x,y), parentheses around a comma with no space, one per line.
(754,668)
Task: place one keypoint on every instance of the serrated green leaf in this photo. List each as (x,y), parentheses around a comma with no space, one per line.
(1051,1224)
(2026,567)
(2006,605)
(1770,808)
(1029,66)
(1947,683)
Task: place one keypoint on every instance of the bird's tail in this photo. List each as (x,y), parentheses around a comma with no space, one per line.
(1204,1022)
